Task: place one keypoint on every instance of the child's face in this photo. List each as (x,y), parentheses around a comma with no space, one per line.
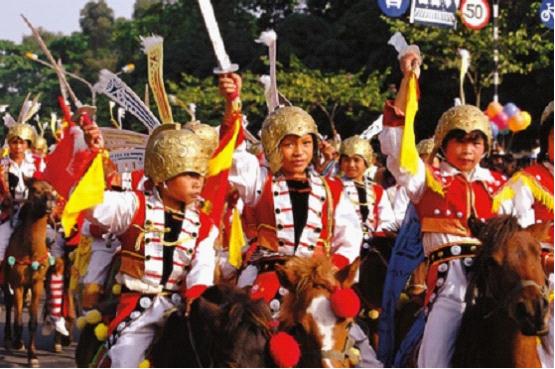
(184,188)
(297,154)
(465,152)
(17,146)
(353,166)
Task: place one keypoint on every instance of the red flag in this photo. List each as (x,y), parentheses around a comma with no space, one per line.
(69,160)
(216,185)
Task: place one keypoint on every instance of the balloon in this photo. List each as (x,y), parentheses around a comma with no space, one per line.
(501,120)
(494,130)
(510,109)
(493,109)
(520,121)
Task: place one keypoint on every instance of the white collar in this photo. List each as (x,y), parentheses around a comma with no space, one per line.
(478,174)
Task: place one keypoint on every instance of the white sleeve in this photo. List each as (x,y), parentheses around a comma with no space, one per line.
(386,216)
(347,232)
(204,262)
(390,144)
(247,176)
(521,205)
(116,213)
(400,205)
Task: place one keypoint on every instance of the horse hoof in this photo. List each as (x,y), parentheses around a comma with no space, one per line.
(58,348)
(34,363)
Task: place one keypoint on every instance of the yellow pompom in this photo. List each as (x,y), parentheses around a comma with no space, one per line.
(81,323)
(93,317)
(144,364)
(116,289)
(373,314)
(404,298)
(101,332)
(354,356)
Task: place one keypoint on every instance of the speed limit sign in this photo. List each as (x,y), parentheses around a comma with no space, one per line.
(475,13)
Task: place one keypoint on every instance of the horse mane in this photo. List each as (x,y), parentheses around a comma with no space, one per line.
(306,274)
(494,234)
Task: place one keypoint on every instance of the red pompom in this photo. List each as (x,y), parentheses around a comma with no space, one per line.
(345,303)
(284,350)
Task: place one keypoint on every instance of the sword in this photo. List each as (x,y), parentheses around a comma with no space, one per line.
(224,64)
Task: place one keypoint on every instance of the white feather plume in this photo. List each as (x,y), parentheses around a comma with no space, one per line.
(150,42)
(267,37)
(8,120)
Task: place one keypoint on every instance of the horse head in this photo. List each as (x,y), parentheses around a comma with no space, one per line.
(508,273)
(235,328)
(41,200)
(310,310)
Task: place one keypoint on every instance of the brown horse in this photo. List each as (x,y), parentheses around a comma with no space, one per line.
(507,298)
(225,328)
(27,262)
(307,314)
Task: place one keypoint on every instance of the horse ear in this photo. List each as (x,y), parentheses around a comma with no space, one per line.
(346,276)
(286,277)
(540,231)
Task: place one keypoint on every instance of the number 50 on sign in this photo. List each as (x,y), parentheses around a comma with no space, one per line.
(475,13)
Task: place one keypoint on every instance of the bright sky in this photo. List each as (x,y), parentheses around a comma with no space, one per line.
(52,15)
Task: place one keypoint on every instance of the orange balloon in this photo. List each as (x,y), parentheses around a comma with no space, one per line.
(493,109)
(519,122)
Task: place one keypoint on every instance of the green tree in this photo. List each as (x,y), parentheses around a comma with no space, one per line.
(524,46)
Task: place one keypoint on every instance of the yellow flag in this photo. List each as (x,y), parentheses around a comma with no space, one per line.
(88,193)
(223,159)
(409,154)
(236,240)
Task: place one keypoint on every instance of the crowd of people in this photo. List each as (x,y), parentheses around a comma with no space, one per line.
(299,196)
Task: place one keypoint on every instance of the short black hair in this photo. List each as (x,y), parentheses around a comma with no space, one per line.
(459,135)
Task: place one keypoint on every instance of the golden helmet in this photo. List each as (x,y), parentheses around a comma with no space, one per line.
(171,150)
(288,120)
(207,133)
(41,144)
(425,146)
(356,145)
(467,118)
(24,131)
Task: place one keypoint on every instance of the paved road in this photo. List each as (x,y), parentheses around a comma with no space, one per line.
(45,345)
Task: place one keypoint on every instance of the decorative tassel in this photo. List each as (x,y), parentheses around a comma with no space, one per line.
(345,303)
(539,193)
(144,364)
(81,323)
(433,183)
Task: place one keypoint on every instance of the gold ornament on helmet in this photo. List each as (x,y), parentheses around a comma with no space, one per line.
(24,131)
(41,145)
(467,118)
(357,145)
(288,120)
(171,151)
(425,146)
(207,133)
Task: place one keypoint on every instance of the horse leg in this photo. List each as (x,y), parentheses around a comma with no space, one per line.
(37,290)
(18,319)
(8,300)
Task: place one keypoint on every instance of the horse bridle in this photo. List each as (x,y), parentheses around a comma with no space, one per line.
(345,354)
(504,304)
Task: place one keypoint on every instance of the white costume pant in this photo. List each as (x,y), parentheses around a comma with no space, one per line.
(444,319)
(6,231)
(129,350)
(101,259)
